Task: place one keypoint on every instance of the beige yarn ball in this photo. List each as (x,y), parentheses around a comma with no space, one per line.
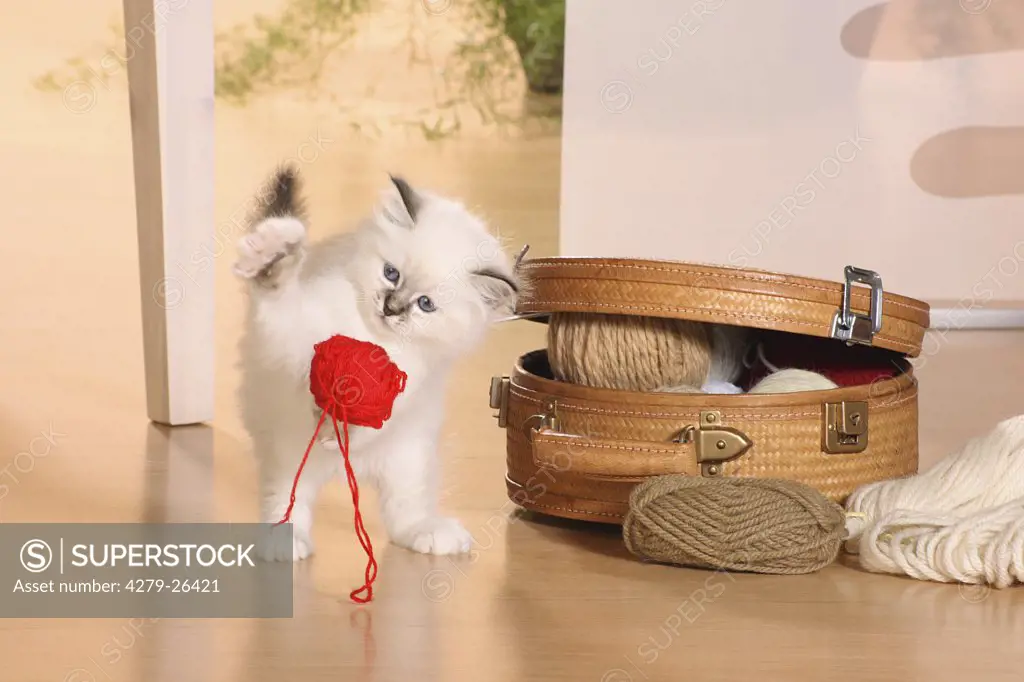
(628,353)
(758,525)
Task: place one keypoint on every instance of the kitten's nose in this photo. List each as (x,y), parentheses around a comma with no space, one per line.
(390,307)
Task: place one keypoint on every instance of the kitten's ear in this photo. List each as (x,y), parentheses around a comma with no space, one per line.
(401,203)
(498,290)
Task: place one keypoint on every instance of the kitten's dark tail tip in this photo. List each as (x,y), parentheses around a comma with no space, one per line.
(283,194)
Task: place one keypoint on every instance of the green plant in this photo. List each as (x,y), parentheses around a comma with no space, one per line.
(80,70)
(506,42)
(286,50)
(537,27)
(507,47)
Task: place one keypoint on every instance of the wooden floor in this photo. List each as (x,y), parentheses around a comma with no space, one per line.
(537,600)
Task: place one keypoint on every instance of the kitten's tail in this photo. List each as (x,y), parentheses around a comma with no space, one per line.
(280,197)
(274,245)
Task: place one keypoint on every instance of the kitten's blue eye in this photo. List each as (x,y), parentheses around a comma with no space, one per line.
(391,274)
(425,304)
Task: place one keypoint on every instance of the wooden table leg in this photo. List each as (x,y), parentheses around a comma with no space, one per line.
(169,44)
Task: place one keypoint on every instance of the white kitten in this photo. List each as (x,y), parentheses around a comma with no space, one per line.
(424,279)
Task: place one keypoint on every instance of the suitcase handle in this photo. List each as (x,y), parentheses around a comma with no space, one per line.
(609,458)
(700,449)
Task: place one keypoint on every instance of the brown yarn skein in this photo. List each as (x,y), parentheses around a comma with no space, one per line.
(626,352)
(737,524)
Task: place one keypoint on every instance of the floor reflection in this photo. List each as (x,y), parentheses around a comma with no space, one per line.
(179,481)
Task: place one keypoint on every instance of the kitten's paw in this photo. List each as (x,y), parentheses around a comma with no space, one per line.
(279,545)
(270,242)
(439,535)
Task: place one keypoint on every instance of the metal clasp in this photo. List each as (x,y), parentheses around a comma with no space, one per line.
(520,257)
(499,399)
(714,443)
(853,327)
(845,428)
(548,420)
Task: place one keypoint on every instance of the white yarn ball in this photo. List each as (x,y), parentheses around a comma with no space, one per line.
(792,381)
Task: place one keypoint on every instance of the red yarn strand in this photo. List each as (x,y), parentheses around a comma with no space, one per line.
(298,474)
(364,538)
(331,380)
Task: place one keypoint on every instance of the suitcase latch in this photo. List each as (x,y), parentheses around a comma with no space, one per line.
(853,327)
(714,443)
(499,399)
(846,427)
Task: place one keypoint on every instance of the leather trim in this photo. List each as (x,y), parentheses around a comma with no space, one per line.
(530,386)
(716,294)
(613,459)
(580,509)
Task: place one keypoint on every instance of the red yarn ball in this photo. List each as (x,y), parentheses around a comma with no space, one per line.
(355,381)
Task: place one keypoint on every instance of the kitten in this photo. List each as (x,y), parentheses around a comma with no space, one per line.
(423,278)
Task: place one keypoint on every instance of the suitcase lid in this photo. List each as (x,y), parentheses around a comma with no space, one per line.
(856,310)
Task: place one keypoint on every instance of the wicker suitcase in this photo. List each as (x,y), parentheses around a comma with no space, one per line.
(576,452)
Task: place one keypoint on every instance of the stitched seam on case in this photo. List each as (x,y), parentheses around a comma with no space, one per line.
(677,415)
(568,509)
(712,313)
(576,511)
(520,486)
(627,478)
(583,444)
(701,273)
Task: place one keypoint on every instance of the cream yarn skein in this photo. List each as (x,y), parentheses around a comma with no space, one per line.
(960,521)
